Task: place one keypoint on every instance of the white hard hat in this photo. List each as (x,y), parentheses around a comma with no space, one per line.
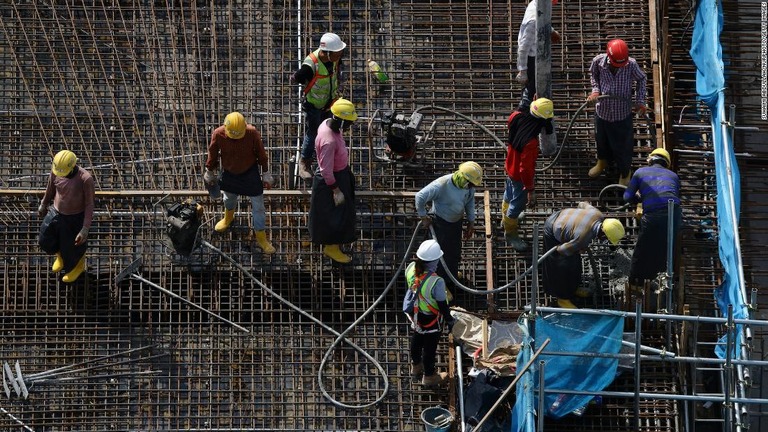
(331,42)
(429,251)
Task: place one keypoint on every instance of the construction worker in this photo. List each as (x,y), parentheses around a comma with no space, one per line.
(426,307)
(452,197)
(332,217)
(571,231)
(320,75)
(520,165)
(613,73)
(239,149)
(653,187)
(526,54)
(64,232)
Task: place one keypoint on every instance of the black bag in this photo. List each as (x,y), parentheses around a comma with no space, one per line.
(183,223)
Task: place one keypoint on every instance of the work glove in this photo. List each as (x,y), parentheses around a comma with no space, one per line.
(531,200)
(426,221)
(522,77)
(267,179)
(81,237)
(210,178)
(338,197)
(592,98)
(42,210)
(641,109)
(469,231)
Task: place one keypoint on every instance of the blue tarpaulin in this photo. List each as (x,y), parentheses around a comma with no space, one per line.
(707,54)
(567,333)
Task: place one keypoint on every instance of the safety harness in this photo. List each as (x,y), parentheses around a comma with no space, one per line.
(424,303)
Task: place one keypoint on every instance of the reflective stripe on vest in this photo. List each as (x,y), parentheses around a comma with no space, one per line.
(321,87)
(426,303)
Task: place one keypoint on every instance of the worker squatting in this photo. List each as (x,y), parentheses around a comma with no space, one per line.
(238,164)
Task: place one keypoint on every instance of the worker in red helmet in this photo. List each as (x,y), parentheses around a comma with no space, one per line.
(66,223)
(526,54)
(614,73)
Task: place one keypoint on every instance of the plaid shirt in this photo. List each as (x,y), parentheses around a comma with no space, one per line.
(620,84)
(574,228)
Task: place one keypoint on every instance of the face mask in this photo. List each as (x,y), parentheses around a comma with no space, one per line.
(346,124)
(459,180)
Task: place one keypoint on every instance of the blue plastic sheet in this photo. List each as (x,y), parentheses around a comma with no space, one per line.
(567,333)
(707,54)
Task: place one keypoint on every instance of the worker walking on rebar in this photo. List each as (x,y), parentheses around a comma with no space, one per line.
(520,165)
(320,75)
(426,306)
(239,149)
(653,187)
(332,217)
(67,222)
(526,54)
(452,197)
(612,74)
(571,231)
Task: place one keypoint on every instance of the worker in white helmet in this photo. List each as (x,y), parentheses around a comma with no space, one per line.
(238,149)
(332,212)
(426,306)
(67,208)
(320,75)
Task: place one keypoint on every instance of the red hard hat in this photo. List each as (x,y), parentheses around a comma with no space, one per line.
(618,53)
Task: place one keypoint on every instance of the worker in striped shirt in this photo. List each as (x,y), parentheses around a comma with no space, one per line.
(613,73)
(653,187)
(571,231)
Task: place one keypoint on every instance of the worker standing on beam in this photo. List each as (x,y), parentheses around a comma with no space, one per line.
(332,217)
(653,187)
(320,75)
(571,231)
(526,54)
(66,223)
(426,306)
(613,73)
(452,196)
(239,149)
(520,165)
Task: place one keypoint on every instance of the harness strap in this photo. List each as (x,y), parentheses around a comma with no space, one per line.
(316,77)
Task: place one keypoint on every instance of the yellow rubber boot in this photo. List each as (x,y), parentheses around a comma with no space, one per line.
(599,167)
(511,235)
(264,244)
(333,252)
(223,225)
(75,272)
(624,181)
(504,208)
(566,304)
(58,263)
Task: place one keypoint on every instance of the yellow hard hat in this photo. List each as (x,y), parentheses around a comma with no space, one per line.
(614,230)
(660,153)
(63,163)
(542,108)
(344,110)
(472,172)
(234,125)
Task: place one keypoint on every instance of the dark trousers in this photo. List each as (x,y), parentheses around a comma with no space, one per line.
(314,117)
(57,234)
(650,255)
(562,274)
(329,223)
(449,238)
(529,91)
(615,141)
(424,350)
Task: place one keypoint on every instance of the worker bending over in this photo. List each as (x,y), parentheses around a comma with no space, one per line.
(613,73)
(238,148)
(653,187)
(426,307)
(64,231)
(520,165)
(332,217)
(571,231)
(452,196)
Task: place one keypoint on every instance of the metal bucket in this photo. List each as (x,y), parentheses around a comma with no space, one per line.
(437,419)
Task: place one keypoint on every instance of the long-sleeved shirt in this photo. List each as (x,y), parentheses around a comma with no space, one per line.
(656,185)
(449,202)
(73,195)
(236,155)
(574,228)
(619,84)
(526,37)
(332,152)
